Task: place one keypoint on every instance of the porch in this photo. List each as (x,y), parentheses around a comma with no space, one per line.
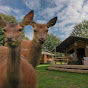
(76,55)
(70,68)
(75,50)
(63,60)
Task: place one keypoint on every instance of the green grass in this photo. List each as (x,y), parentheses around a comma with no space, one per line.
(58,79)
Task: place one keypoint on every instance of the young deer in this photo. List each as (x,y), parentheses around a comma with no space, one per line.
(32,49)
(15,71)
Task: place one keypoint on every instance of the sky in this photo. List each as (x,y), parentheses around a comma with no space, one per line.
(69,13)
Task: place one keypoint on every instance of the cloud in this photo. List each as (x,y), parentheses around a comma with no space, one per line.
(16,10)
(12,11)
(32,4)
(29,35)
(8,9)
(41,21)
(0,0)
(69,14)
(5,9)
(75,12)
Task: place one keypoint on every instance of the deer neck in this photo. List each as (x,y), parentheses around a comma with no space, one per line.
(37,47)
(35,50)
(13,65)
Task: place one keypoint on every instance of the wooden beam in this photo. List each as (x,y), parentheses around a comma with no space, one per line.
(55,53)
(86,52)
(45,58)
(65,53)
(75,51)
(71,66)
(75,43)
(68,70)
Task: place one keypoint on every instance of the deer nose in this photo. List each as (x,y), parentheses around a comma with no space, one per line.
(42,40)
(9,39)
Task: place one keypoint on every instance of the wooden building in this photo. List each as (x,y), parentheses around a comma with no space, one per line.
(46,57)
(75,48)
(76,55)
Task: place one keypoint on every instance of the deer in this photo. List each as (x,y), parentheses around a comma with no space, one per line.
(15,70)
(32,49)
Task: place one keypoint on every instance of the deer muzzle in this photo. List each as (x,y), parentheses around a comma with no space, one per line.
(41,40)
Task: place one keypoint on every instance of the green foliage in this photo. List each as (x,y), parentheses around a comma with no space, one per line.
(59,79)
(8,18)
(2,37)
(81,29)
(24,37)
(58,54)
(51,42)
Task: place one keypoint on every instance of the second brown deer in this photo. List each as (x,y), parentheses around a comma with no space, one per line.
(32,49)
(15,71)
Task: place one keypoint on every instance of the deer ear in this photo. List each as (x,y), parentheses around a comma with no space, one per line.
(28,18)
(52,22)
(2,22)
(33,23)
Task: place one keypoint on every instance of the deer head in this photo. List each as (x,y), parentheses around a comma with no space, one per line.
(13,31)
(41,30)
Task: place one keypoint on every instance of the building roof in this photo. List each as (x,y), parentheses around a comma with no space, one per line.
(47,53)
(68,42)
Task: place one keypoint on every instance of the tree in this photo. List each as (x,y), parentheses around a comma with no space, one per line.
(8,19)
(81,29)
(24,37)
(51,42)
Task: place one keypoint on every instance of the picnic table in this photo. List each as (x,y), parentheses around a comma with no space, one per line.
(62,60)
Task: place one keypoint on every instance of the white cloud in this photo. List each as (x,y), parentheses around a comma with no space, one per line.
(16,10)
(75,11)
(0,0)
(41,21)
(5,9)
(32,4)
(69,13)
(50,12)
(21,17)
(29,35)
(10,10)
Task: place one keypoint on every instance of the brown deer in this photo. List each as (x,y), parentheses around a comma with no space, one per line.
(15,71)
(32,49)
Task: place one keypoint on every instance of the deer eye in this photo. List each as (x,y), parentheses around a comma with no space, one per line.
(4,30)
(35,31)
(20,29)
(46,30)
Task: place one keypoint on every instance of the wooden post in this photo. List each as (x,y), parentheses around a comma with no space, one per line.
(52,57)
(86,53)
(75,51)
(66,53)
(55,55)
(42,58)
(45,58)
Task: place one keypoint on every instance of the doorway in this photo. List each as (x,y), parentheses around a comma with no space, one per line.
(80,55)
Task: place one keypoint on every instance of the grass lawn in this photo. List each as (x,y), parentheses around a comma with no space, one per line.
(58,79)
